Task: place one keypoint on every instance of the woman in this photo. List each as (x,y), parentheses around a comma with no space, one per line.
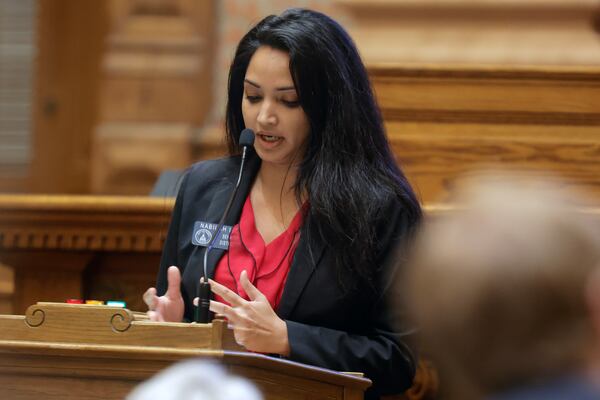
(318,216)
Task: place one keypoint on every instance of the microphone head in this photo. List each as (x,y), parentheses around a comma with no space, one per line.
(247,137)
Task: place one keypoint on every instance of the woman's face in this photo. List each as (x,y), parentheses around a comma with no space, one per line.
(271,108)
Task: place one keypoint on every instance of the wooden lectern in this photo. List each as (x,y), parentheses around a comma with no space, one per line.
(72,351)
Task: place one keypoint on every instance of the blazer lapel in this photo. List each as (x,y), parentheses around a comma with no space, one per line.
(306,259)
(213,215)
(217,206)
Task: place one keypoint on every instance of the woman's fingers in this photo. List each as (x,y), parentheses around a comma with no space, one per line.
(154,316)
(150,298)
(173,281)
(168,307)
(196,301)
(255,325)
(253,293)
(227,311)
(229,296)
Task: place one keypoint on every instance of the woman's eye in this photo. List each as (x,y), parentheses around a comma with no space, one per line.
(253,99)
(291,103)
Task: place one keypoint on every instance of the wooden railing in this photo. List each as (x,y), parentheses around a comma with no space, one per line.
(82,246)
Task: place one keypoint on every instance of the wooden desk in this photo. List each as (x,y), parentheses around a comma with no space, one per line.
(60,351)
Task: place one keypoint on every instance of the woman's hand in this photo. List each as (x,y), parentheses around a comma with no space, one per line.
(167,308)
(255,324)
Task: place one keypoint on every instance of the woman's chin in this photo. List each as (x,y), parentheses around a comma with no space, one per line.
(268,155)
(273,159)
(278,156)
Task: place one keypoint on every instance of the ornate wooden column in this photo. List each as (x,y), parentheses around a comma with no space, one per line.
(155,90)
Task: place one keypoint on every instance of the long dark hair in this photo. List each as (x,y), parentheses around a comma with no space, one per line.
(348,171)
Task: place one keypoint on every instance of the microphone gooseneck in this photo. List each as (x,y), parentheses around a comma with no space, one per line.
(202,311)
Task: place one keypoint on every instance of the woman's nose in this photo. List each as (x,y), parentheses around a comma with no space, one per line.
(266,114)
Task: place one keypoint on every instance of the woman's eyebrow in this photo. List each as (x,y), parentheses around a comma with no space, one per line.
(279,89)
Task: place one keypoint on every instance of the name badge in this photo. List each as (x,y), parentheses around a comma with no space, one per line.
(204,232)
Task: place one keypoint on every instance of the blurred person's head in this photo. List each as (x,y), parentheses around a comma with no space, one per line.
(501,287)
(195,380)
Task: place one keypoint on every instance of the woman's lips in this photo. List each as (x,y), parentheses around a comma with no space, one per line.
(269,140)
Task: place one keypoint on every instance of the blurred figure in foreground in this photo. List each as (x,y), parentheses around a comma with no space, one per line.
(506,292)
(195,380)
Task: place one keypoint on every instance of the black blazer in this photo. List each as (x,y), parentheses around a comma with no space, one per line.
(327,326)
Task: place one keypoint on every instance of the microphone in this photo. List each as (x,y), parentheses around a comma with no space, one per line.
(246,140)
(202,312)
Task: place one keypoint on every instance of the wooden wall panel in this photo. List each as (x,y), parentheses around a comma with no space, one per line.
(70,40)
(447,121)
(507,32)
(436,155)
(156,91)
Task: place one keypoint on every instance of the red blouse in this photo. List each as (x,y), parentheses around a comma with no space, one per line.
(267,265)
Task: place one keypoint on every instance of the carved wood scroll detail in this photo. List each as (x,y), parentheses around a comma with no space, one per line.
(121,320)
(35,316)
